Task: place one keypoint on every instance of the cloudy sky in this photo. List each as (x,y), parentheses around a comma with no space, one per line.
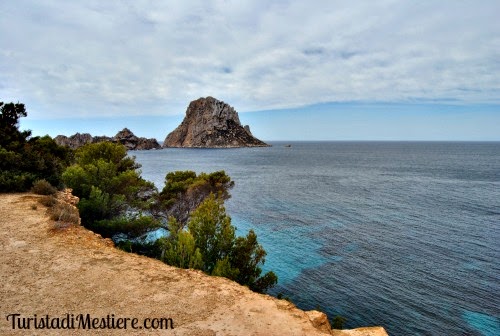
(295,70)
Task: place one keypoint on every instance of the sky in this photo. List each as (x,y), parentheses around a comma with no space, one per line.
(294,70)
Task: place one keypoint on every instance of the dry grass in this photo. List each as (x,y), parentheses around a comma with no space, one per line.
(62,213)
(48,201)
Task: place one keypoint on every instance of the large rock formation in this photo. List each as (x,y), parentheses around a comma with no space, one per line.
(129,140)
(211,123)
(125,137)
(75,141)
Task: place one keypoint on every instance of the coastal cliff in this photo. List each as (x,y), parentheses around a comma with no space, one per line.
(74,271)
(125,137)
(211,123)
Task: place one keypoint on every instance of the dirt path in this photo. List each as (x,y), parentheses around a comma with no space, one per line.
(74,271)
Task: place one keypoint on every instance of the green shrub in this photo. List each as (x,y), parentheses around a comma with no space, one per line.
(338,322)
(210,244)
(15,180)
(25,159)
(184,191)
(130,226)
(182,251)
(212,232)
(109,186)
(42,187)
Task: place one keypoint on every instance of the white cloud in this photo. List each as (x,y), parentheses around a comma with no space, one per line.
(147,57)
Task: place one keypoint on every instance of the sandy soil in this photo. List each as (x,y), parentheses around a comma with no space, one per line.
(73,271)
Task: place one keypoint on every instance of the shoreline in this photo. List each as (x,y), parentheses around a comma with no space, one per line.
(75,271)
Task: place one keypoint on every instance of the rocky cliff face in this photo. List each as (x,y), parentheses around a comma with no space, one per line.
(211,123)
(125,137)
(198,304)
(129,140)
(75,141)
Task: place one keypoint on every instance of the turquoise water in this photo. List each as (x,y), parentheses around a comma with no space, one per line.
(399,234)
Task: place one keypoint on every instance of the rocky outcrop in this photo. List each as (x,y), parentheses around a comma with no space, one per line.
(363,331)
(75,141)
(211,123)
(129,140)
(125,137)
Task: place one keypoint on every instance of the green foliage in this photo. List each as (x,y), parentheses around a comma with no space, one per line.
(210,244)
(42,187)
(247,254)
(114,199)
(212,232)
(15,180)
(24,160)
(223,268)
(178,182)
(78,179)
(149,249)
(338,322)
(178,249)
(184,191)
(182,251)
(20,170)
(131,226)
(106,151)
(97,206)
(46,159)
(110,189)
(263,283)
(10,137)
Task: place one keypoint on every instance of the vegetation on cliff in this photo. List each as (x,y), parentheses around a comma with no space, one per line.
(25,159)
(210,244)
(111,190)
(115,201)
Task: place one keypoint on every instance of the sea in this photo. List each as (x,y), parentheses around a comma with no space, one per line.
(404,235)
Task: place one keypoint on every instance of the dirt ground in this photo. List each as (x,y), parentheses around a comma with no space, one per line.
(73,271)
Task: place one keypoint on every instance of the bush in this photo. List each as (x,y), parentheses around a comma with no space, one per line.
(42,187)
(182,251)
(23,159)
(48,201)
(184,191)
(338,322)
(210,244)
(109,186)
(11,181)
(129,226)
(63,213)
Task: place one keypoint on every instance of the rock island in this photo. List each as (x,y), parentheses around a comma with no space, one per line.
(211,123)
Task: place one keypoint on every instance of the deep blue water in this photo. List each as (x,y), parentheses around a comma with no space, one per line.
(400,234)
